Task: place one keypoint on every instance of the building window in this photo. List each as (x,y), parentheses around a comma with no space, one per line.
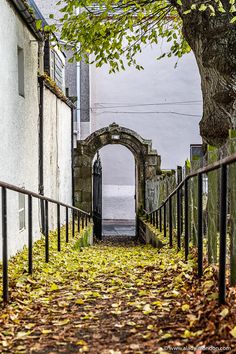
(54,66)
(21,211)
(21,81)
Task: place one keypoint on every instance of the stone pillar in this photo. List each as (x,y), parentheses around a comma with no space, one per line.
(83,181)
(152,170)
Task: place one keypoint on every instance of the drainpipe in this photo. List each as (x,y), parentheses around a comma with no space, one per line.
(40,155)
(41,57)
(72,155)
(41,101)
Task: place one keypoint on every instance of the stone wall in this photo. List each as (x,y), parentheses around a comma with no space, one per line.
(57,152)
(146,235)
(147,163)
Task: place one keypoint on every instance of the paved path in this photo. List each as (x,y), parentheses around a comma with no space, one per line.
(118,227)
(116,297)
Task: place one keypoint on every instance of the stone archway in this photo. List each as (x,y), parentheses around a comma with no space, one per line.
(147,163)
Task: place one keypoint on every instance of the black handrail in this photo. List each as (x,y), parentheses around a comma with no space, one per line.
(209,168)
(222,164)
(81,214)
(39,196)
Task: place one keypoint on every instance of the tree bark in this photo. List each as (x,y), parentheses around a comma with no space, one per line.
(213,42)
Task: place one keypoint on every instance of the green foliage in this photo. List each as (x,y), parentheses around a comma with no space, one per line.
(38,24)
(113,32)
(83,241)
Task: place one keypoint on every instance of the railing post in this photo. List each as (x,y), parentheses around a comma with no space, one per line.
(179,180)
(58,228)
(156,219)
(4,245)
(170,223)
(67,225)
(164,207)
(186,228)
(151,219)
(82,221)
(73,223)
(178,219)
(199,231)
(160,219)
(78,221)
(30,236)
(223,233)
(86,220)
(46,233)
(232,202)
(42,206)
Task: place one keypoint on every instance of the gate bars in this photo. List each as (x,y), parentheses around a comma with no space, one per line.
(76,212)
(223,166)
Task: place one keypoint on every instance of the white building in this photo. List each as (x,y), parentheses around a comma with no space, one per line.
(32,116)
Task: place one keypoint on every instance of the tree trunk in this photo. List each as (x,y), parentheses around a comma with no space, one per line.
(213,41)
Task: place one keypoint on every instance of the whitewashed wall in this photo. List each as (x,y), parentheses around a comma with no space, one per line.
(18,119)
(57,152)
(147,102)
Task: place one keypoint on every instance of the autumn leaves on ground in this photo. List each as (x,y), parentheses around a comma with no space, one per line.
(114,298)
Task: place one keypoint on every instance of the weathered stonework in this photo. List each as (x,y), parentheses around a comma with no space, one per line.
(146,159)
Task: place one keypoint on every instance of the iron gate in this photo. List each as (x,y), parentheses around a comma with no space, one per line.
(97,197)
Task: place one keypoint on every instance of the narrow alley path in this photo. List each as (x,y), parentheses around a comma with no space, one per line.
(112,298)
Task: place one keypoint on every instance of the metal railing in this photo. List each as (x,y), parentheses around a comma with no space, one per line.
(82,218)
(155,217)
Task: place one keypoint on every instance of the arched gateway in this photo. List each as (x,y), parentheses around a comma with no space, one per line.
(147,163)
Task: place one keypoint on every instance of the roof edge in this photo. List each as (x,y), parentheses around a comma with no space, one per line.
(23,9)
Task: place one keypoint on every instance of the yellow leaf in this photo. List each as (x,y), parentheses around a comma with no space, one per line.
(175,293)
(187,334)
(114,305)
(150,327)
(224,312)
(4,343)
(157,303)
(61,323)
(166,336)
(46,331)
(131,323)
(96,294)
(81,342)
(53,287)
(208,284)
(79,302)
(30,325)
(233,332)
(22,334)
(147,309)
(185,307)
